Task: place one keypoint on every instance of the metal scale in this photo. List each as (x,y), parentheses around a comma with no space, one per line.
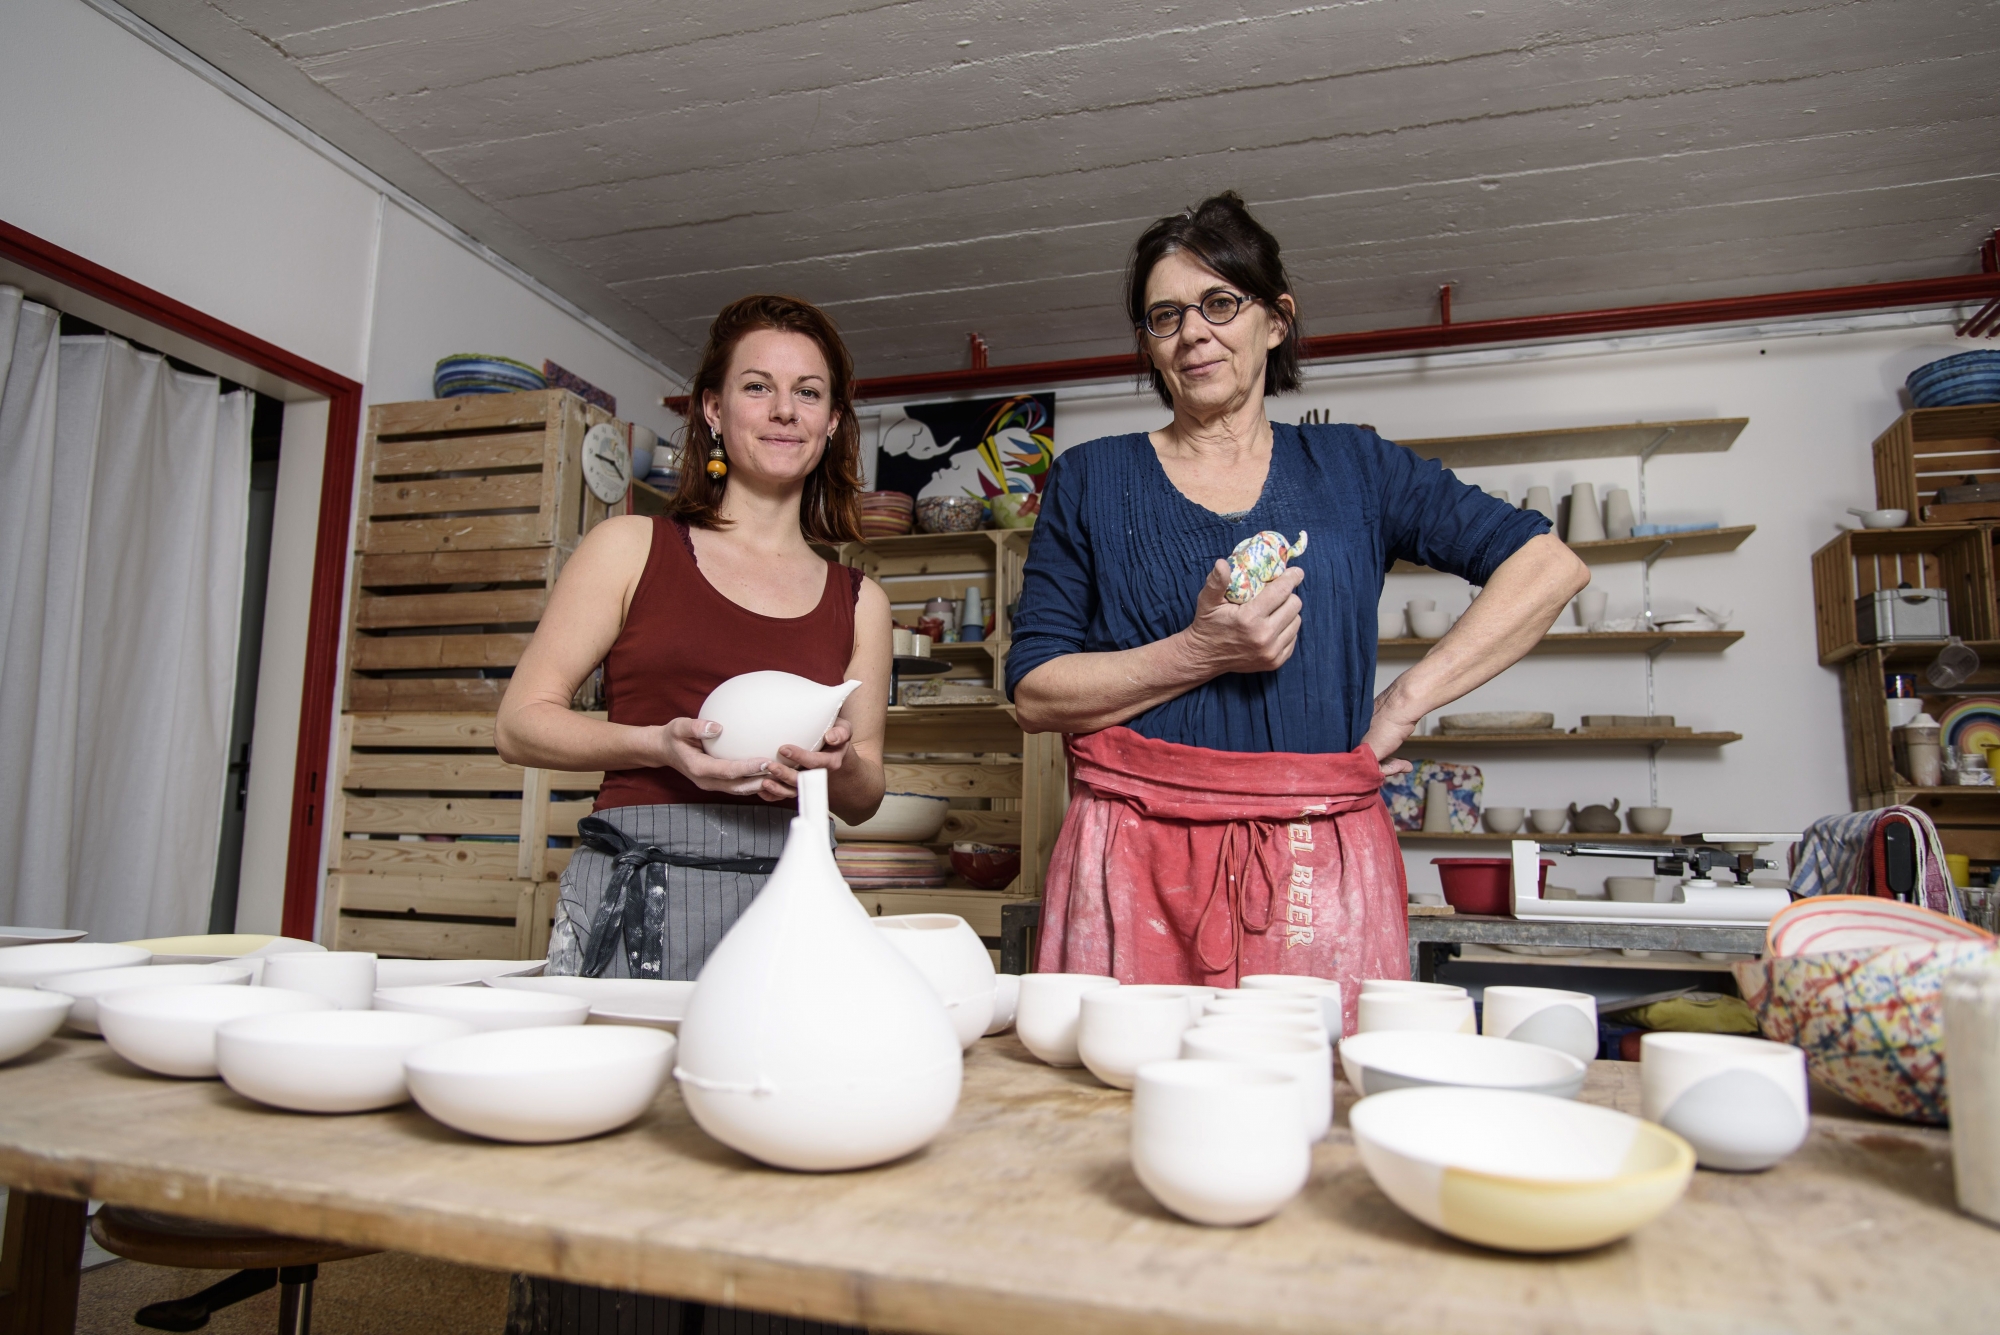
(1700,900)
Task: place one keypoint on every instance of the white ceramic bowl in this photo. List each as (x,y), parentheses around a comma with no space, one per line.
(1504,820)
(1405,1010)
(25,966)
(1518,1172)
(1401,1059)
(541,1085)
(1741,1102)
(1548,1017)
(1881,518)
(39,936)
(1429,625)
(1050,1008)
(1325,991)
(27,1018)
(451,973)
(903,818)
(1120,1029)
(90,987)
(1218,1142)
(485,1007)
(1649,820)
(952,958)
(1306,1060)
(171,1030)
(1006,996)
(333,1061)
(649,1003)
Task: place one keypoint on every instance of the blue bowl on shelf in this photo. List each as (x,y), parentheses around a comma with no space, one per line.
(1956,381)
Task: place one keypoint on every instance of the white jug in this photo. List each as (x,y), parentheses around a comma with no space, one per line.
(762,711)
(811,1042)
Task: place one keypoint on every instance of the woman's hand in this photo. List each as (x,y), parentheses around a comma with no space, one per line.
(679,745)
(1257,636)
(781,783)
(1387,731)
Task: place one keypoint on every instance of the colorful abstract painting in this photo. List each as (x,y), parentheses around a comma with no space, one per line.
(981,447)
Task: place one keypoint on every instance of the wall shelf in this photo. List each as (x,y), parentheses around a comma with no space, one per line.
(1563,741)
(1633,440)
(1482,837)
(1597,642)
(1652,547)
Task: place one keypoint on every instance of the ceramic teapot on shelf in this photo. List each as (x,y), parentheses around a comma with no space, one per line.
(1594,819)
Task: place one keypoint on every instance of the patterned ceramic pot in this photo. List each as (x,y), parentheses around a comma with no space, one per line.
(1870,1021)
(950,514)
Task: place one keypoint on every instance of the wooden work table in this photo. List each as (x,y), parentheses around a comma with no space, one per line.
(1023,1216)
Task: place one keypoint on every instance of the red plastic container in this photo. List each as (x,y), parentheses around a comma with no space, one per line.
(1480,885)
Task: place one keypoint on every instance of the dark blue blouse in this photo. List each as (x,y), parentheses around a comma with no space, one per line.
(1119,556)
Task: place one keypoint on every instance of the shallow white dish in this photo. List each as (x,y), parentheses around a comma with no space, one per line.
(90,987)
(27,1018)
(451,973)
(485,1008)
(653,1004)
(541,1085)
(1518,1172)
(329,1061)
(1406,1058)
(25,966)
(903,818)
(1498,720)
(39,936)
(171,1030)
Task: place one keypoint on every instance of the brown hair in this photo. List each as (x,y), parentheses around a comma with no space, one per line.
(827,511)
(1219,233)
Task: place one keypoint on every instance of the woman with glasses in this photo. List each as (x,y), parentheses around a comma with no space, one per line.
(1226,759)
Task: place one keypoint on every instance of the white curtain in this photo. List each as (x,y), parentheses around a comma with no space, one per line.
(124,488)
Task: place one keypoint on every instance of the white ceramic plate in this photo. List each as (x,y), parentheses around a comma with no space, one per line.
(451,973)
(38,936)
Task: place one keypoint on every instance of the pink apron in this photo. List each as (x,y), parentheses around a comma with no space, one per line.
(1177,864)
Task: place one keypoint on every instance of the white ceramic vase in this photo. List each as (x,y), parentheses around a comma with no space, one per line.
(762,711)
(951,956)
(811,1042)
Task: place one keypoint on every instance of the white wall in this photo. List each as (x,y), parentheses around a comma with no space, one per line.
(119,154)
(1814,404)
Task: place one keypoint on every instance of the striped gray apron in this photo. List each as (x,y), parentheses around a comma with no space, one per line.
(699,905)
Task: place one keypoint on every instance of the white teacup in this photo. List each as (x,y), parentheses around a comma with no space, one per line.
(1741,1102)
(1402,1010)
(1218,1142)
(1325,991)
(344,977)
(1309,1061)
(1120,1029)
(1050,1007)
(1429,625)
(1545,1016)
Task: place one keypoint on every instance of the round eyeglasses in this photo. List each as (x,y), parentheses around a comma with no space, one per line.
(1164,320)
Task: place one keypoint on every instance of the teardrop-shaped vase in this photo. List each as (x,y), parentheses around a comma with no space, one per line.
(762,711)
(810,1041)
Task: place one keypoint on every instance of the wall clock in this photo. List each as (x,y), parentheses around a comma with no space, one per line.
(607,462)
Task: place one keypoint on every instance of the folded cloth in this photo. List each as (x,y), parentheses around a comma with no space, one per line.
(1841,855)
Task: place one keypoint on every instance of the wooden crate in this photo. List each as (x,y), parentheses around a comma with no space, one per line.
(1935,447)
(1956,559)
(468,510)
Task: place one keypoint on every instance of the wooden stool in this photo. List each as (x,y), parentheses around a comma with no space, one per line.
(261,1260)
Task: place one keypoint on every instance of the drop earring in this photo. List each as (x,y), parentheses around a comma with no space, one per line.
(718,467)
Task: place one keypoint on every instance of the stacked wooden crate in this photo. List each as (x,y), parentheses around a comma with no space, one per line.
(468,511)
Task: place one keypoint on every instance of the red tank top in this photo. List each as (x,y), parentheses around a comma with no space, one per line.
(683,638)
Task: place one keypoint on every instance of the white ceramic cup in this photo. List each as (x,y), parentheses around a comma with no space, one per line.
(1429,625)
(1006,996)
(1401,1010)
(1050,1008)
(344,977)
(1325,991)
(1421,605)
(1309,1061)
(1548,1017)
(1390,626)
(1218,1142)
(1120,1029)
(1972,1038)
(1902,711)
(1741,1102)
(1590,605)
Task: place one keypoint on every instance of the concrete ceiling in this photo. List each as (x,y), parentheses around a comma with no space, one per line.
(925,168)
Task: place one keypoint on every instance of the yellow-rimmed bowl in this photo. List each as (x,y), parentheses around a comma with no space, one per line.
(1519,1172)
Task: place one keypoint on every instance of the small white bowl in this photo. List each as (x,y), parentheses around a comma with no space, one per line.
(333,1061)
(903,818)
(1881,518)
(1403,1059)
(1518,1172)
(655,1004)
(90,987)
(540,1085)
(25,966)
(451,973)
(485,1008)
(171,1030)
(1429,625)
(27,1018)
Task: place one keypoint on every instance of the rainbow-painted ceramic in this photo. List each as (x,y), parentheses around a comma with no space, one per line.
(1972,724)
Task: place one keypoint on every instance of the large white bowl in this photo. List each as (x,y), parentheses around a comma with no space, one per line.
(485,1007)
(540,1085)
(88,988)
(654,1004)
(451,973)
(27,1018)
(1520,1172)
(25,966)
(171,1030)
(330,1061)
(1404,1058)
(39,936)
(903,818)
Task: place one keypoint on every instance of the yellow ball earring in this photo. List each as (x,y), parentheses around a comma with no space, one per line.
(718,467)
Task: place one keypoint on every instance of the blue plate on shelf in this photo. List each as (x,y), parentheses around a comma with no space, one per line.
(478,373)
(1956,381)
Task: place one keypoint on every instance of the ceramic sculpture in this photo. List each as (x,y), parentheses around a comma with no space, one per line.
(951,956)
(811,1042)
(762,711)
(1257,561)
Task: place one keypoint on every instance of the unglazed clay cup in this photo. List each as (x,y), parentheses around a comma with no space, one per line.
(1649,820)
(1548,1017)
(1218,1142)
(1548,820)
(1741,1102)
(344,977)
(1309,1061)
(1325,991)
(1504,820)
(1120,1029)
(1050,1008)
(1006,996)
(1394,1010)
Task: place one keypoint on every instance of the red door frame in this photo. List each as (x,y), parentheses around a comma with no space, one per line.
(336,500)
